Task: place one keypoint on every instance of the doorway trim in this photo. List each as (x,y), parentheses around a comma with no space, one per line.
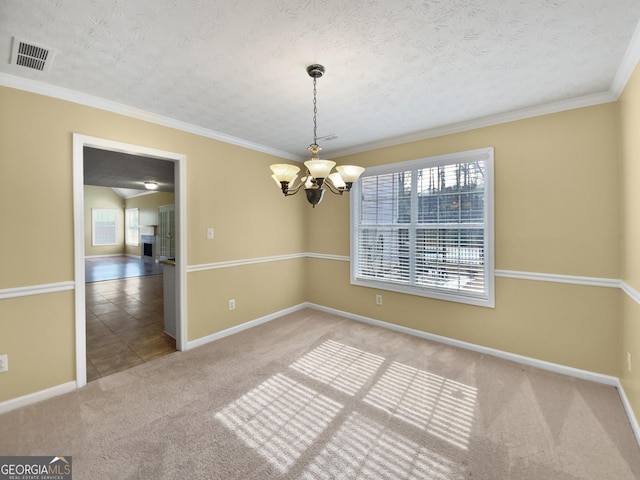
(180,168)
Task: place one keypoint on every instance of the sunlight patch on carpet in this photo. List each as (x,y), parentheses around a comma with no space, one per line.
(364,448)
(438,405)
(342,367)
(279,419)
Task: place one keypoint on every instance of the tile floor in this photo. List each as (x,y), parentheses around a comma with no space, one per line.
(124,324)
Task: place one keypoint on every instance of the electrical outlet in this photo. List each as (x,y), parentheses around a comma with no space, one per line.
(378,299)
(629,361)
(232,304)
(4,363)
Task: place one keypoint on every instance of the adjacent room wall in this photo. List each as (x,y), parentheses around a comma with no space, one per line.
(630,208)
(106,197)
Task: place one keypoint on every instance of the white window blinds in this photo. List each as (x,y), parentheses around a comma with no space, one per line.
(426,227)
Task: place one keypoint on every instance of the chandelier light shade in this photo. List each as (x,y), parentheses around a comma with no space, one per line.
(318,174)
(284,173)
(319,168)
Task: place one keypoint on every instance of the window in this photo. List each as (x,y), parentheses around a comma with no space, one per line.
(131,221)
(425,227)
(104,226)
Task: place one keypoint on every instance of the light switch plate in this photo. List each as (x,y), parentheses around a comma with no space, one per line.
(4,363)
(209,233)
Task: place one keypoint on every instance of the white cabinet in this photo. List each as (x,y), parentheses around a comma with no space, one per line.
(166,247)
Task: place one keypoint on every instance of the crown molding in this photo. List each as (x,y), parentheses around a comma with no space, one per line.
(492,120)
(625,70)
(628,64)
(61,93)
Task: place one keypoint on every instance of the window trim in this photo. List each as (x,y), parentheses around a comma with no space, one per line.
(483,154)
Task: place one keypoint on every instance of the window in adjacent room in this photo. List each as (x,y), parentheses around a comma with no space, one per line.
(131,221)
(425,227)
(104,223)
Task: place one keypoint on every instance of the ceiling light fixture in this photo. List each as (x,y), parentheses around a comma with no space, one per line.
(318,171)
(151,185)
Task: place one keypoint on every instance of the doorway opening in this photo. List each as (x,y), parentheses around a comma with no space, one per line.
(132,285)
(126,323)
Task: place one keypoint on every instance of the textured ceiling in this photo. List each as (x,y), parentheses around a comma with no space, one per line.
(126,172)
(394,68)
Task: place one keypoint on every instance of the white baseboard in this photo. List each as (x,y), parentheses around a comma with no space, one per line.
(630,414)
(532,362)
(244,326)
(36,397)
(553,367)
(549,366)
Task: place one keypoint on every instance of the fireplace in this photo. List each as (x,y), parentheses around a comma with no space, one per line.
(148,243)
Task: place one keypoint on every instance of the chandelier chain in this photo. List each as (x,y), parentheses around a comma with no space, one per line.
(318,177)
(315,113)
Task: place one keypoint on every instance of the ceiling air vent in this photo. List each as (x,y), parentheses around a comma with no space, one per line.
(30,55)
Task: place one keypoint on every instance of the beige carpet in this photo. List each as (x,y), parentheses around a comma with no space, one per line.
(315,396)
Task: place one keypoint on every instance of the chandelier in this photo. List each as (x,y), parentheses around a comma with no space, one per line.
(318,175)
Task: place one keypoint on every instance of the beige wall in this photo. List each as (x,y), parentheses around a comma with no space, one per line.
(630,207)
(251,219)
(557,193)
(147,206)
(258,290)
(38,335)
(550,189)
(556,212)
(36,192)
(561,323)
(102,197)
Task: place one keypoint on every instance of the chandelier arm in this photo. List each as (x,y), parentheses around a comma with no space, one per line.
(333,189)
(290,192)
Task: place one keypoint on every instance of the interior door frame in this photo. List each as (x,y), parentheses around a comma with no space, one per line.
(180,168)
